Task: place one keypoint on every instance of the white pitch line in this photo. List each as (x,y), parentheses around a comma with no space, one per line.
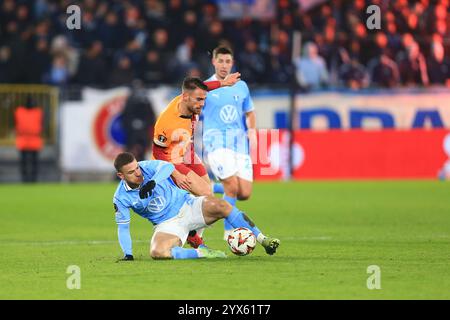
(61,243)
(106,242)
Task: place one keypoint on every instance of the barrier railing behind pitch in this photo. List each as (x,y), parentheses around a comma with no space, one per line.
(12,96)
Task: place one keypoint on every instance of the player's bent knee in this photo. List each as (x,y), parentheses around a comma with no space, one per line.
(223,208)
(160,253)
(231,186)
(214,209)
(244,196)
(231,190)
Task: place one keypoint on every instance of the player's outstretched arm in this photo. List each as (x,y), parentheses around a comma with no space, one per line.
(163,170)
(181,180)
(122,216)
(123,233)
(229,80)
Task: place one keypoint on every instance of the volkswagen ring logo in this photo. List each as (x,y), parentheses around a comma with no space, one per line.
(156,204)
(228,113)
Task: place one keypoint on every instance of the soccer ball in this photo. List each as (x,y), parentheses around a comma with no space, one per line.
(241,241)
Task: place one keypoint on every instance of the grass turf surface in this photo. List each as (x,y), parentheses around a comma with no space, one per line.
(330,233)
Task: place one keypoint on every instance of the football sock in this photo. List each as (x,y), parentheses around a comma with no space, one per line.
(182,253)
(238,219)
(218,188)
(231,201)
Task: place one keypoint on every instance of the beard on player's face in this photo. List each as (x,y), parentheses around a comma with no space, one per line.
(134,181)
(195,109)
(194,106)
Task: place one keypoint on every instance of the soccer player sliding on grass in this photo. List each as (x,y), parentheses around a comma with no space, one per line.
(147,188)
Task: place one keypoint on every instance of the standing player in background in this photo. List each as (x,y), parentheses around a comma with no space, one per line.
(229,123)
(173,138)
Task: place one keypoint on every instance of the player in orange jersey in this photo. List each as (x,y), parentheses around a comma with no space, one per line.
(173,139)
(174,132)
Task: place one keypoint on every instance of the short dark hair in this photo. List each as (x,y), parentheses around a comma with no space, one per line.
(222,50)
(122,159)
(190,83)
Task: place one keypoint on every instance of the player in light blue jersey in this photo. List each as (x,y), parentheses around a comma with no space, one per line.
(147,188)
(229,133)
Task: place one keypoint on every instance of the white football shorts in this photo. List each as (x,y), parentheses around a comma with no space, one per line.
(225,163)
(190,217)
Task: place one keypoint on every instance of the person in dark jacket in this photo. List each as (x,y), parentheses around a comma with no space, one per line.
(138,120)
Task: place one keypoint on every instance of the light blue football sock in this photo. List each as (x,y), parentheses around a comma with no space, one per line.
(182,253)
(232,201)
(238,219)
(218,188)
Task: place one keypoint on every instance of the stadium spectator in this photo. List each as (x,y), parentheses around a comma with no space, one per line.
(155,13)
(252,63)
(383,72)
(194,72)
(366,46)
(381,45)
(351,73)
(138,119)
(152,70)
(213,36)
(28,122)
(7,12)
(92,68)
(311,70)
(110,32)
(189,26)
(278,66)
(185,55)
(160,42)
(135,27)
(17,43)
(5,65)
(123,73)
(412,66)
(394,39)
(438,65)
(23,17)
(59,72)
(41,61)
(60,46)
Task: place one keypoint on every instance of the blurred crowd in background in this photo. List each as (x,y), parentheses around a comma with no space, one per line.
(160,42)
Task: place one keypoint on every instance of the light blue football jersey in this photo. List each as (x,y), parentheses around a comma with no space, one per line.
(165,201)
(223,117)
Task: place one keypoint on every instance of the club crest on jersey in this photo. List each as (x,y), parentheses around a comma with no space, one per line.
(157,204)
(228,113)
(161,138)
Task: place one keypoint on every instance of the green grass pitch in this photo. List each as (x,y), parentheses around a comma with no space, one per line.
(330,232)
